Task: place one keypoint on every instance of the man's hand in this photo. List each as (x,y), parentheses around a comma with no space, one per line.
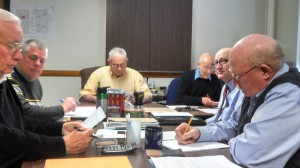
(69,104)
(78,141)
(192,135)
(206,101)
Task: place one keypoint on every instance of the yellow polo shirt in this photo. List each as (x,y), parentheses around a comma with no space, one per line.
(130,81)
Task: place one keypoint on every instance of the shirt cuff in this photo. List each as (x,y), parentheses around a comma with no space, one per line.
(205,135)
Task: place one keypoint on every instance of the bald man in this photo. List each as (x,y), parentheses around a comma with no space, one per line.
(266,133)
(199,86)
(231,96)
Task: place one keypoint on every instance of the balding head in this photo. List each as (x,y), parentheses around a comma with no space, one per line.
(222,66)
(255,57)
(205,65)
(258,49)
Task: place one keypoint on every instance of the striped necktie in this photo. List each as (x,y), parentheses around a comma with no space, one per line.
(223,100)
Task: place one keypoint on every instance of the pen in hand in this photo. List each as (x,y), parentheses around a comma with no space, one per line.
(187,127)
(63,100)
(78,129)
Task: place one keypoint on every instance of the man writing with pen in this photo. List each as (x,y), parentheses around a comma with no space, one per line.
(199,86)
(28,87)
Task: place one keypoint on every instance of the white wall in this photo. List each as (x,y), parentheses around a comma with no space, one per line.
(221,23)
(79,37)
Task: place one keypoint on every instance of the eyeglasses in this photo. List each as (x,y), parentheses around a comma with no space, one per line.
(35,58)
(221,62)
(15,46)
(116,66)
(237,77)
(207,68)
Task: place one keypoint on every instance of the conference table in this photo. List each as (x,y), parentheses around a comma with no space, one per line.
(137,158)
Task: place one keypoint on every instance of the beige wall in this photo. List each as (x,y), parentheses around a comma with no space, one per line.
(79,39)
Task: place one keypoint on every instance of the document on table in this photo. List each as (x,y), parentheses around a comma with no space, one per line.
(111,133)
(97,116)
(209,110)
(173,144)
(81,112)
(217,161)
(171,114)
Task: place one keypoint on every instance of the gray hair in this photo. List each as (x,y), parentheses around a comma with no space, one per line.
(35,43)
(116,50)
(6,16)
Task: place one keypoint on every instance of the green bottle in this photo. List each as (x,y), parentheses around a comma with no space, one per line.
(98,98)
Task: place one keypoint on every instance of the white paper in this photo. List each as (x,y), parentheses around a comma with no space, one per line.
(81,112)
(97,116)
(110,133)
(173,144)
(209,110)
(180,106)
(171,114)
(218,161)
(168,135)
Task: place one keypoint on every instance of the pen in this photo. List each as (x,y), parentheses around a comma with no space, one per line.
(187,127)
(78,129)
(63,100)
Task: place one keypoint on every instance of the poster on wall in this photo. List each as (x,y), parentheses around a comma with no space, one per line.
(37,21)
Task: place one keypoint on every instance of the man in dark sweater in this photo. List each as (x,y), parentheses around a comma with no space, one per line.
(28,87)
(23,138)
(199,86)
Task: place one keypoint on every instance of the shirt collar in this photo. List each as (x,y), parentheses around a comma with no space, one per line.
(112,74)
(3,78)
(230,85)
(198,75)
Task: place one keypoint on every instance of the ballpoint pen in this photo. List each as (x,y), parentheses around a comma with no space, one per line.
(78,129)
(63,100)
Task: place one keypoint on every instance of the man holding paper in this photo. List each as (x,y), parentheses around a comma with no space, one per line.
(24,138)
(266,133)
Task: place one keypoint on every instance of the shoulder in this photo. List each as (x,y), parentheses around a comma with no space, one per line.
(131,71)
(103,69)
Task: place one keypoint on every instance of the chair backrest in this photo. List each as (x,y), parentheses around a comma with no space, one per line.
(172,91)
(85,74)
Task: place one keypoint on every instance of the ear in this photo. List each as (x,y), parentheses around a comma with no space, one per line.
(266,71)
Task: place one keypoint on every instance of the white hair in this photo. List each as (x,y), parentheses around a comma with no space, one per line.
(6,16)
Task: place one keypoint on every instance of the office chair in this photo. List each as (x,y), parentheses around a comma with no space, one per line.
(85,74)
(172,91)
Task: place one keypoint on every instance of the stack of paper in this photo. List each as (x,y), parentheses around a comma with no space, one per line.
(173,144)
(218,161)
(120,123)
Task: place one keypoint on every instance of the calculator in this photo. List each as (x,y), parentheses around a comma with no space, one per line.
(120,148)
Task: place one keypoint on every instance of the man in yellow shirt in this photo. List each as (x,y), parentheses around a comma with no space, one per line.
(117,76)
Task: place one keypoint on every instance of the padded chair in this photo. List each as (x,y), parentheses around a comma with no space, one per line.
(172,91)
(85,74)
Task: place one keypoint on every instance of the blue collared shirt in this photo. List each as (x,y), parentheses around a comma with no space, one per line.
(198,75)
(272,136)
(234,98)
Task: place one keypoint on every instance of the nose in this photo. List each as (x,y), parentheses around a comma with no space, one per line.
(17,55)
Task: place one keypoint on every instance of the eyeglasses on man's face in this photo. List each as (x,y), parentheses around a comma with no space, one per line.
(116,66)
(220,62)
(237,77)
(13,47)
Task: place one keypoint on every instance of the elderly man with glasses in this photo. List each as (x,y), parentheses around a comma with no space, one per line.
(117,76)
(266,133)
(231,96)
(23,138)
(199,86)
